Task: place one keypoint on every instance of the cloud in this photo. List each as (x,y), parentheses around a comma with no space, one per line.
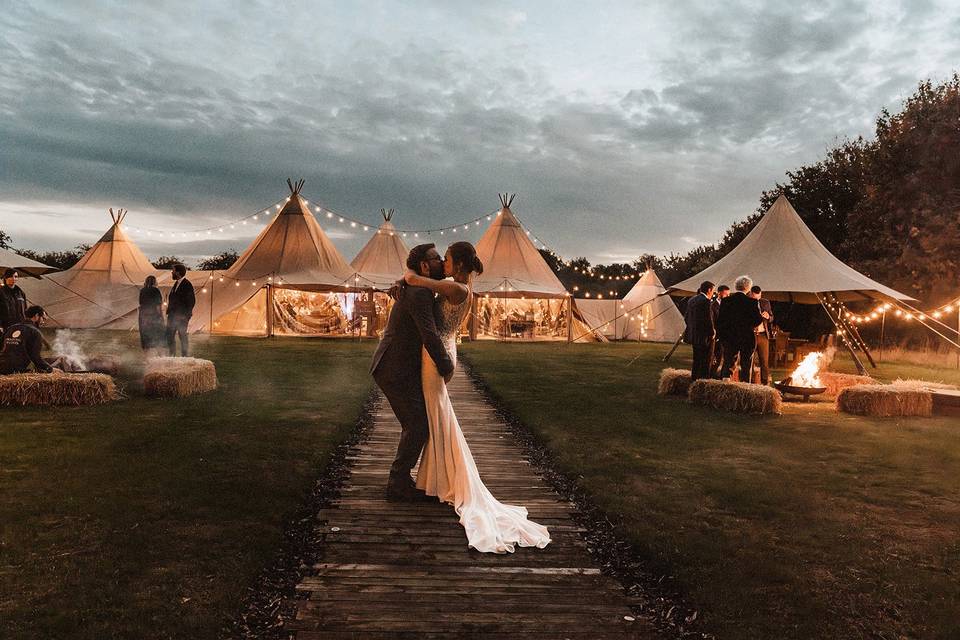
(178,113)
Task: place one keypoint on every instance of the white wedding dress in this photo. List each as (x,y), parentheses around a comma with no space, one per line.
(448,471)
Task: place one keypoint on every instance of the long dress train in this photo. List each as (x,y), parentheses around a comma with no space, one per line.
(448,471)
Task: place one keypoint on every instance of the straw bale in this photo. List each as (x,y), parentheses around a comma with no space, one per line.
(178,377)
(57,388)
(739,397)
(886,400)
(836,382)
(674,382)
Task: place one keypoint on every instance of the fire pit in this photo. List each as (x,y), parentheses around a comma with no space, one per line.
(805,379)
(785,386)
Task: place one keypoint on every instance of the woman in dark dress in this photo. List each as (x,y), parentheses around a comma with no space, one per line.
(152,327)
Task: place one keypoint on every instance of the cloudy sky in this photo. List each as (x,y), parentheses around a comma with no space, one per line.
(624,127)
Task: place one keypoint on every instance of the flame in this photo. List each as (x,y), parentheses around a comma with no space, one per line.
(808,371)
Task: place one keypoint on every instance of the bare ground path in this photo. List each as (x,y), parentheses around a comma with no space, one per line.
(404,570)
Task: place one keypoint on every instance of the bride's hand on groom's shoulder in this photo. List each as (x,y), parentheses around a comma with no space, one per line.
(394,291)
(408,276)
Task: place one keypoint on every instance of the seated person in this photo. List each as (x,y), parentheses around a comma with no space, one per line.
(22,343)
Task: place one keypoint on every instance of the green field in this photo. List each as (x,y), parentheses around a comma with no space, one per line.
(149,518)
(809,525)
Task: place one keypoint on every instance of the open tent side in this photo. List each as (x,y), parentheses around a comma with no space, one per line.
(645,313)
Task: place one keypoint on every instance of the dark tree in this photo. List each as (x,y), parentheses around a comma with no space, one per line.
(60,259)
(166,262)
(5,240)
(219,262)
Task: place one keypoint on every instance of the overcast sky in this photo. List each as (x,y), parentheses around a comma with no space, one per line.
(624,128)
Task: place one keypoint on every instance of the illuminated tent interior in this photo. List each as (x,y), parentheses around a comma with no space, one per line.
(643,314)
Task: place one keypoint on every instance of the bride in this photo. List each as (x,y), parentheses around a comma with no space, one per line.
(447,469)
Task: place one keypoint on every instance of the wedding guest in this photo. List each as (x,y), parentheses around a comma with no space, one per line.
(700,331)
(13,301)
(717,360)
(152,327)
(180,303)
(764,333)
(22,342)
(739,316)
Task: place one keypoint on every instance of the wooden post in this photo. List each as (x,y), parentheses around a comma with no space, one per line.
(846,341)
(472,326)
(269,311)
(569,318)
(213,279)
(883,322)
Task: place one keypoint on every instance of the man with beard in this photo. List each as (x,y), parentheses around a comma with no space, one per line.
(739,316)
(22,342)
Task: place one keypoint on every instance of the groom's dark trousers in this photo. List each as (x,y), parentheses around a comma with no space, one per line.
(396,369)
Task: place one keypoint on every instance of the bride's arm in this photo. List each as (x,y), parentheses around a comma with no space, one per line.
(449,289)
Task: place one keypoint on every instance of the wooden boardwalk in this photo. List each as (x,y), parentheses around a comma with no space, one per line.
(397,570)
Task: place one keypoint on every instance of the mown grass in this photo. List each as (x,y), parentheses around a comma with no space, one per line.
(149,518)
(813,524)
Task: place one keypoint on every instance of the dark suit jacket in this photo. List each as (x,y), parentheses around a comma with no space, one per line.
(699,319)
(21,347)
(739,316)
(412,324)
(180,301)
(13,306)
(767,324)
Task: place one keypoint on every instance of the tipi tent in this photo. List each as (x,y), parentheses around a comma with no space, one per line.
(518,295)
(643,314)
(383,259)
(102,289)
(291,280)
(784,257)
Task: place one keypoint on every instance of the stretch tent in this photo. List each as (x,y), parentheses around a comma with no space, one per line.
(786,260)
(291,280)
(784,257)
(23,265)
(643,314)
(518,295)
(102,290)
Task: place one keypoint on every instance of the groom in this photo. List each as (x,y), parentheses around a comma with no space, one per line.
(396,368)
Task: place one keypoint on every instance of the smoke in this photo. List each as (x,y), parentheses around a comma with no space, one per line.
(69,350)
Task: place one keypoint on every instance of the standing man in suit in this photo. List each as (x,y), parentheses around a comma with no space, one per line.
(739,316)
(764,333)
(396,369)
(717,360)
(700,331)
(180,303)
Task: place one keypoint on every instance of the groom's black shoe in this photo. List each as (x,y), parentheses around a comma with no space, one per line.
(405,493)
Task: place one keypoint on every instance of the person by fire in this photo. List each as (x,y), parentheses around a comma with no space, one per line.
(739,316)
(716,361)
(765,333)
(700,332)
(180,303)
(22,343)
(150,317)
(13,302)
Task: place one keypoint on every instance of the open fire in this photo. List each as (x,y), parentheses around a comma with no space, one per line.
(805,380)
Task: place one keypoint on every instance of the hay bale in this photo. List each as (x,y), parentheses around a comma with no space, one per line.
(56,389)
(178,377)
(886,400)
(739,397)
(674,382)
(836,382)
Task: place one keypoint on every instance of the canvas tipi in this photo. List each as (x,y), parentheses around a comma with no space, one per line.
(645,313)
(382,261)
(102,289)
(291,280)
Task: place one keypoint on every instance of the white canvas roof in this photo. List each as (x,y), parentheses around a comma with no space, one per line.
(382,261)
(512,266)
(295,250)
(26,266)
(654,316)
(103,287)
(786,260)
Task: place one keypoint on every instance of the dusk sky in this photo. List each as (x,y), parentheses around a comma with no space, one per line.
(624,128)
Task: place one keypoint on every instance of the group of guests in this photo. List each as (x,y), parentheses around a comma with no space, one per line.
(20,339)
(159,329)
(728,330)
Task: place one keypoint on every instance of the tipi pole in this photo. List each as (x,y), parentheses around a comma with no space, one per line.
(473,318)
(569,318)
(856,360)
(883,322)
(675,346)
(852,330)
(269,311)
(212,280)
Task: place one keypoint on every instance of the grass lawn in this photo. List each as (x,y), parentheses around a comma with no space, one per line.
(149,518)
(813,524)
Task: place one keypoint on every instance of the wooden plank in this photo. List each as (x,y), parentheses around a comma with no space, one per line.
(403,570)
